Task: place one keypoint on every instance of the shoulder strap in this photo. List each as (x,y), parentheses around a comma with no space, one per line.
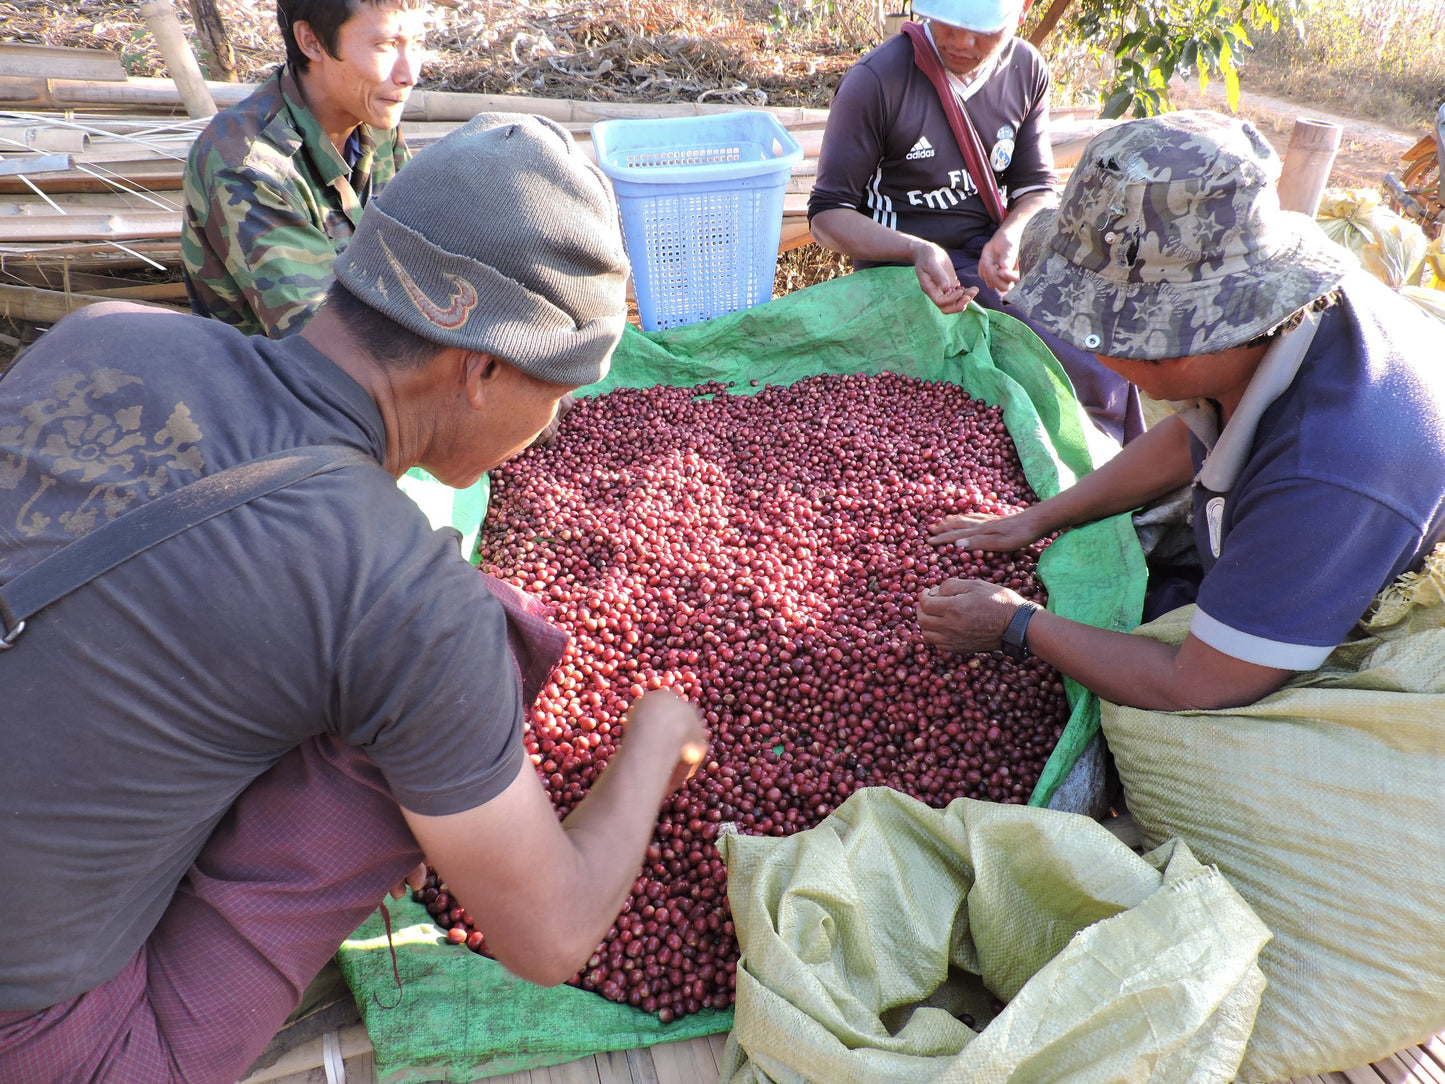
(974,156)
(93,554)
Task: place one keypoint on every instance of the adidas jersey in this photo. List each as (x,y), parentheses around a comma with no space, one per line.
(889,152)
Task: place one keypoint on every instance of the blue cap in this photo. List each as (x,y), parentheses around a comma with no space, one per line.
(980,16)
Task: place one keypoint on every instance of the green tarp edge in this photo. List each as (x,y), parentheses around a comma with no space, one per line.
(459,1017)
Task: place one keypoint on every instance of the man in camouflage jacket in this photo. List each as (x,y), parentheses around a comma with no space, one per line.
(276,184)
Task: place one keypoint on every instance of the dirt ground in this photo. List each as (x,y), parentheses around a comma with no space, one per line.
(1368,150)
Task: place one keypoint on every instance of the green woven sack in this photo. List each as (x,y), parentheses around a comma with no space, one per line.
(1324,805)
(866,939)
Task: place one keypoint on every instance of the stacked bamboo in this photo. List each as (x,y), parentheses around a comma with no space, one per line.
(90,174)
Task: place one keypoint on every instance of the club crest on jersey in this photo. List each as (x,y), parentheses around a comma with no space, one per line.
(921,149)
(1002,155)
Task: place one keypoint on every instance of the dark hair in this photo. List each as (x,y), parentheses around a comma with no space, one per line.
(326,18)
(1294,319)
(390,344)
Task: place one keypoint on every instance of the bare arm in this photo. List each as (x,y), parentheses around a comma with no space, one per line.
(1153,464)
(543,892)
(854,234)
(971,615)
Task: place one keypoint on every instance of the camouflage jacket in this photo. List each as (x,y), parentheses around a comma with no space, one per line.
(269,206)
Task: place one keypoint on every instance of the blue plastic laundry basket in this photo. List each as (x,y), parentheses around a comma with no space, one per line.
(701,202)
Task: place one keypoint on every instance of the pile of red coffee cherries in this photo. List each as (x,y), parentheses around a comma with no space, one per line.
(762,554)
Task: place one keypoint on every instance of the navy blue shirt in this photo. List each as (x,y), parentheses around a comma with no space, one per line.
(1343,488)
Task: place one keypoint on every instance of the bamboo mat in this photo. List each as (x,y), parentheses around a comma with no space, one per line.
(696,1061)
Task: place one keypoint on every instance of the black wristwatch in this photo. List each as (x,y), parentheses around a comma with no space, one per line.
(1015,638)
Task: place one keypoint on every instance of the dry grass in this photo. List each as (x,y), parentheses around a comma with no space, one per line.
(614,50)
(1379,60)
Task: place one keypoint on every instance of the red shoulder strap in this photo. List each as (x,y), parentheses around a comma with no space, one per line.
(974,156)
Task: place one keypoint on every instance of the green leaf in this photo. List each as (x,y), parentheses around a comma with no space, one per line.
(1116,103)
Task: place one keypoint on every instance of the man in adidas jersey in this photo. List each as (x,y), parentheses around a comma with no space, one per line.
(893,186)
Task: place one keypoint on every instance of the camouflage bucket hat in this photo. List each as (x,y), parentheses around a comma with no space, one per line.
(1169,241)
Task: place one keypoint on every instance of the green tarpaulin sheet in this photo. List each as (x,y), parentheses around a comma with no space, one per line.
(460,1017)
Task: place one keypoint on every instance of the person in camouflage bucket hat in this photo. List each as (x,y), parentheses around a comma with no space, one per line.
(1169,240)
(1308,429)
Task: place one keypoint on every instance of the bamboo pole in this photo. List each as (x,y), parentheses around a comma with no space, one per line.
(136,175)
(794,234)
(40,137)
(39,163)
(25,58)
(121,153)
(160,16)
(138,94)
(90,226)
(114,203)
(448,106)
(1307,162)
(150,291)
(40,306)
(135,95)
(96,256)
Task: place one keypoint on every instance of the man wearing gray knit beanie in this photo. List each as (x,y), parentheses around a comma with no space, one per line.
(502,239)
(502,242)
(308,695)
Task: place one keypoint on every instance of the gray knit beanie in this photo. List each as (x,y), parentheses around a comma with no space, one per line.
(503,238)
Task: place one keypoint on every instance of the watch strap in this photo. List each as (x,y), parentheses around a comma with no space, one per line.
(1015,637)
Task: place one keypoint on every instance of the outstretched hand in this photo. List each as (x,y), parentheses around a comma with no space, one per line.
(983,531)
(939,280)
(415,880)
(998,263)
(666,710)
(548,435)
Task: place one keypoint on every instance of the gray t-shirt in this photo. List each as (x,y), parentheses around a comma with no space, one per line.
(134,711)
